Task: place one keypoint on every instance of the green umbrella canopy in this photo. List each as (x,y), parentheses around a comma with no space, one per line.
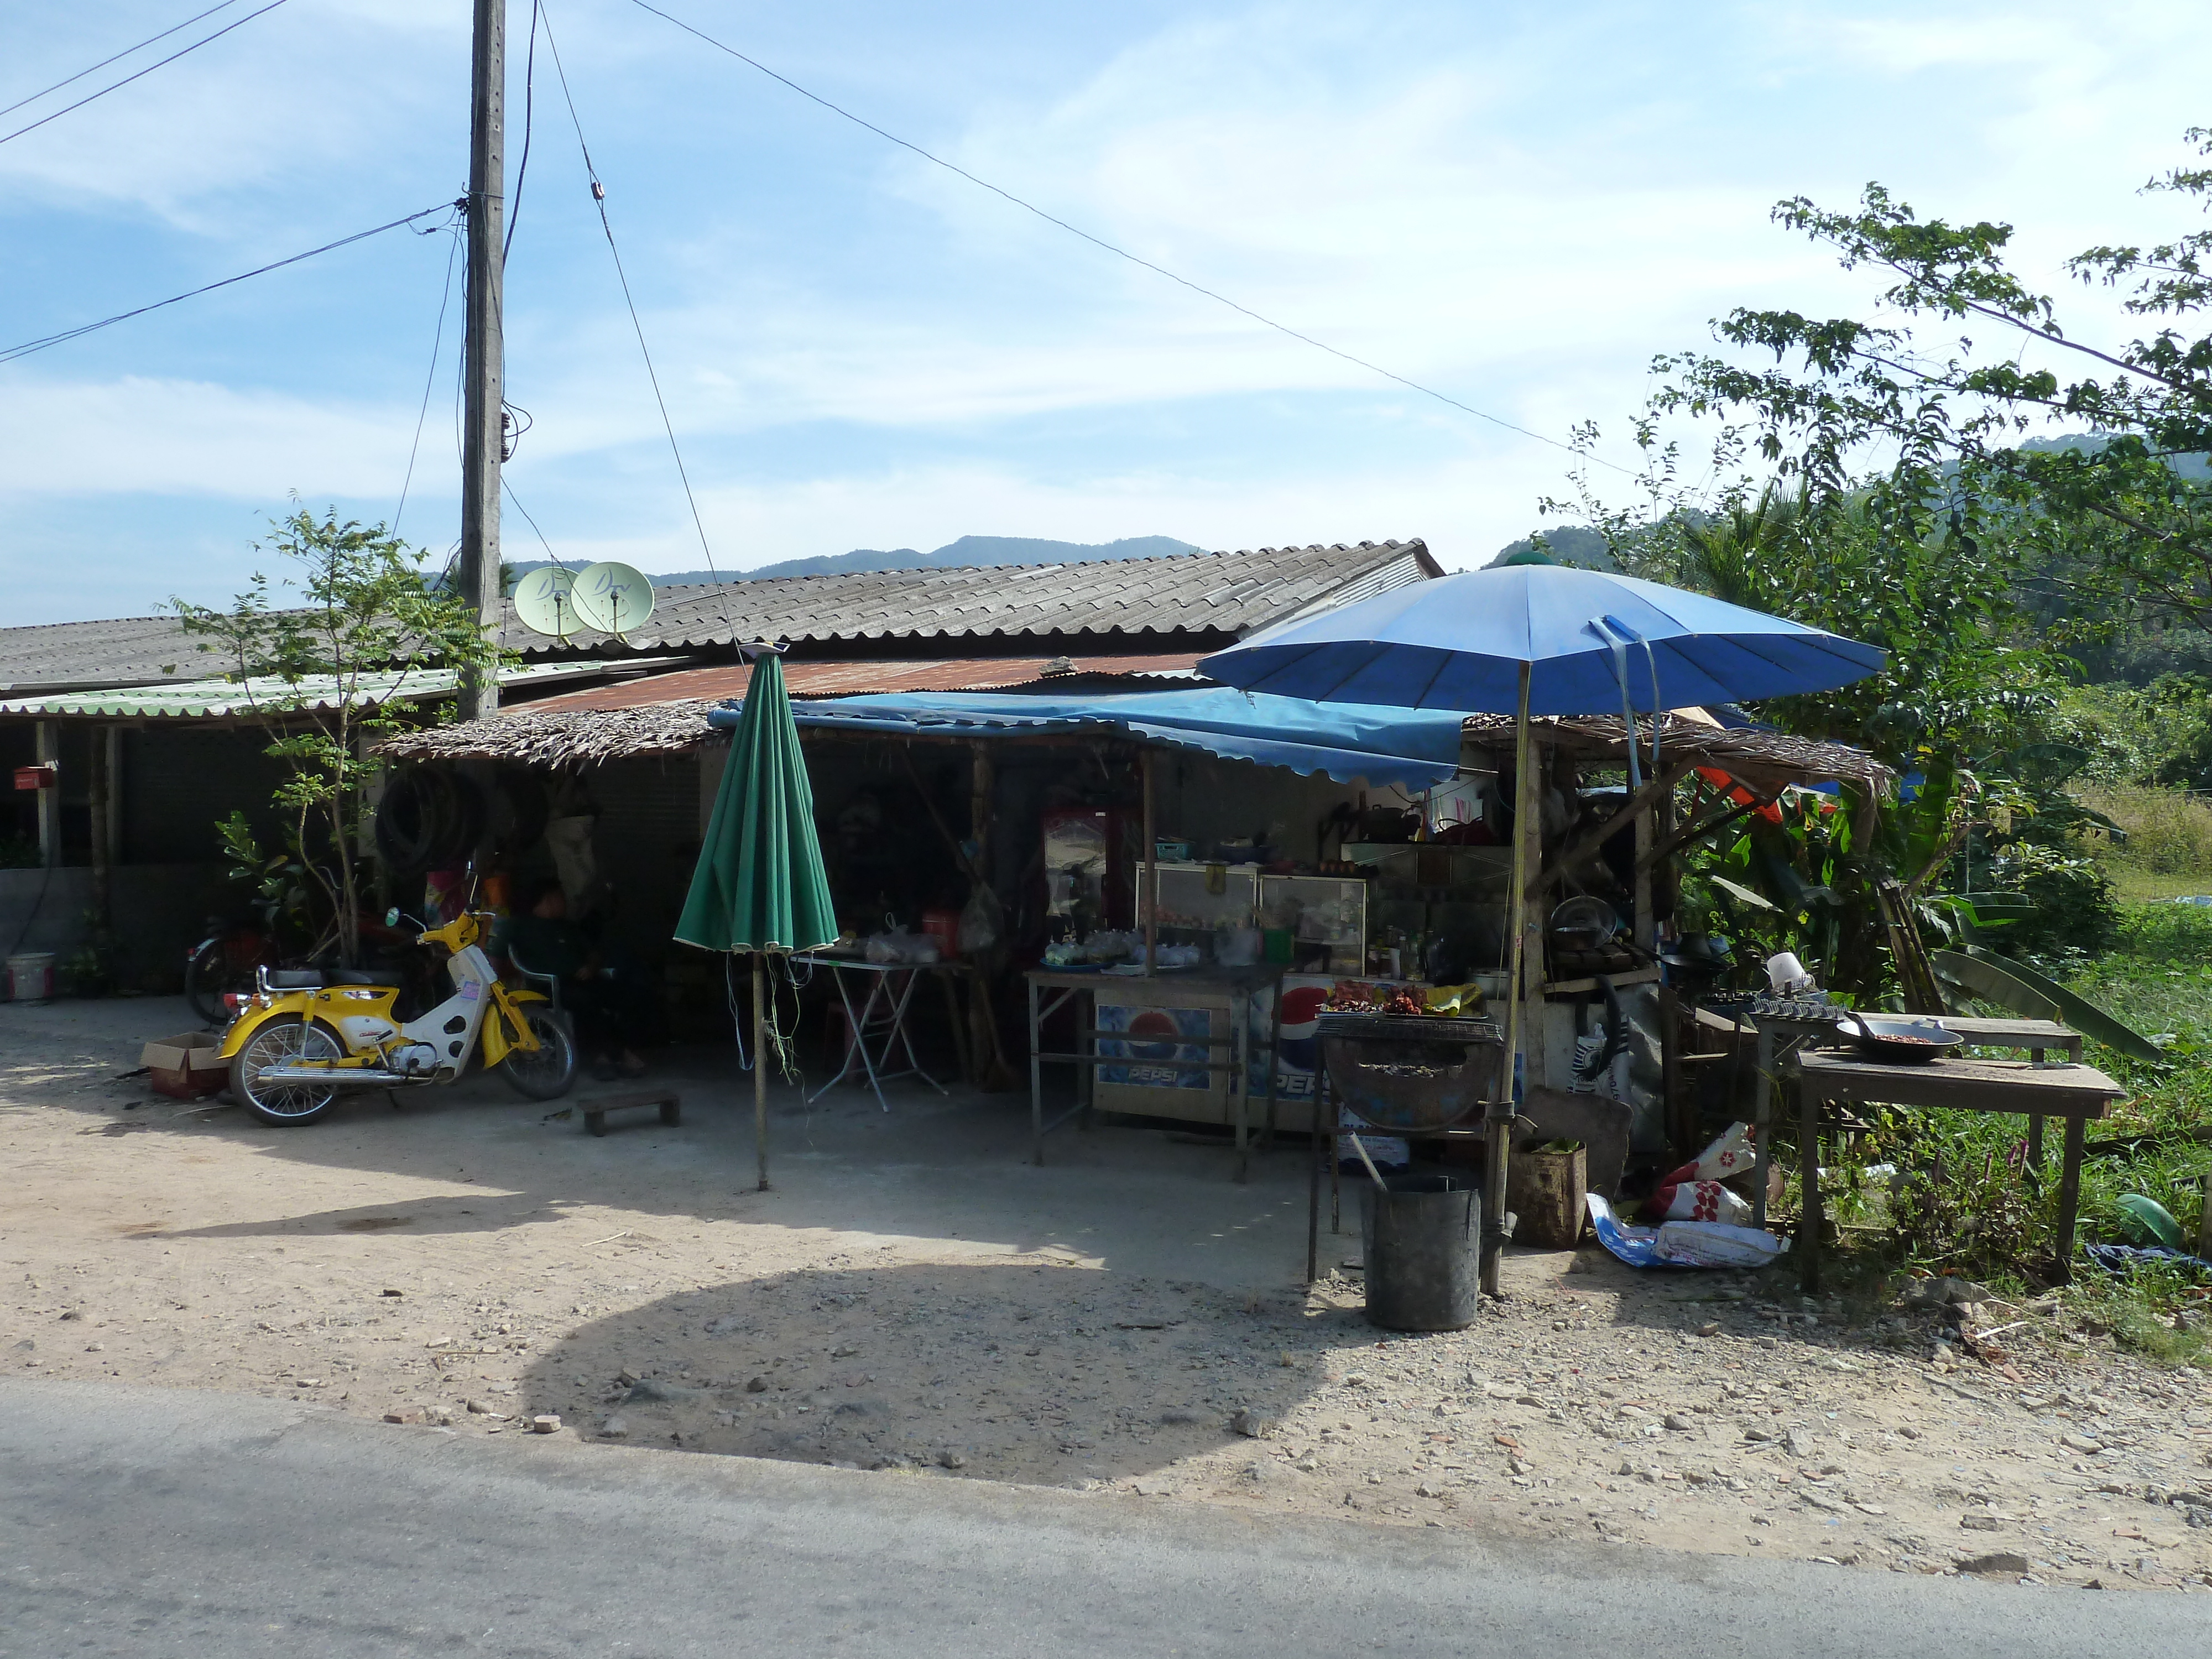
(760,884)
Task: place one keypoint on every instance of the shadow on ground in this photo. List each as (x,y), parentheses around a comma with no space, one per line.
(1029,1372)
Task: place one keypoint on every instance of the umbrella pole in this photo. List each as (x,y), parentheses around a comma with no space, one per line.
(1499,1124)
(760,1064)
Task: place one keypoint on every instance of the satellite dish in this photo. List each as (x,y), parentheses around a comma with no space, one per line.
(543,602)
(613,597)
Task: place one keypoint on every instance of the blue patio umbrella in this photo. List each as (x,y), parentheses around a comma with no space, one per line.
(1461,642)
(1532,637)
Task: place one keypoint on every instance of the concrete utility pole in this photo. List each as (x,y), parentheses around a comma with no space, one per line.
(484,418)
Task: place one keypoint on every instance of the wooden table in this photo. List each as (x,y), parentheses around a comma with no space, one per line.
(1780,1038)
(2034,1089)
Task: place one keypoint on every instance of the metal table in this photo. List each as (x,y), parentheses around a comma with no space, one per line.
(882,1014)
(1782,1036)
(1237,990)
(2034,1089)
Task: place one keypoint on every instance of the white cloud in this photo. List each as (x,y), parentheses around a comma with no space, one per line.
(139,435)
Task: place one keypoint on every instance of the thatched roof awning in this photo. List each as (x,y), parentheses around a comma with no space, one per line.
(578,737)
(592,737)
(1769,758)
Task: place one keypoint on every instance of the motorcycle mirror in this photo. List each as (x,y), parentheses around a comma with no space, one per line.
(391,917)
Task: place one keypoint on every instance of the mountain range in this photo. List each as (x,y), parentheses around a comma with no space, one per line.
(969,550)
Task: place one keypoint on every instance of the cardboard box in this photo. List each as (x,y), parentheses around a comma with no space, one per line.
(187,1067)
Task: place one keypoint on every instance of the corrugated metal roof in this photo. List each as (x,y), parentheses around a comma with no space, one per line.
(845,679)
(1215,595)
(1197,593)
(218,699)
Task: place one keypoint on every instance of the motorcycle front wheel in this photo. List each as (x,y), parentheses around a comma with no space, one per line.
(276,1043)
(546,1073)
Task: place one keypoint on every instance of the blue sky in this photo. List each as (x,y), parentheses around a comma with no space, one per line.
(1517,204)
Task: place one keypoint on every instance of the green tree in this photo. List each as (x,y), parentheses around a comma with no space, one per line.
(326,675)
(1931,414)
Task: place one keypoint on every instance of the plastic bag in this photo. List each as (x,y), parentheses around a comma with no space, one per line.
(1736,1152)
(980,921)
(1682,1243)
(913,950)
(1696,1201)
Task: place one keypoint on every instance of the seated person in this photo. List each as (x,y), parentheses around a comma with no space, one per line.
(610,1001)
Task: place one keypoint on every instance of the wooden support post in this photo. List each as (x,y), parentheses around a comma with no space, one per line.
(2070,1195)
(1152,874)
(1498,1126)
(48,738)
(100,796)
(1808,1181)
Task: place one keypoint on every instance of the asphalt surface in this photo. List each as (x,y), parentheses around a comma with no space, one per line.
(142,1521)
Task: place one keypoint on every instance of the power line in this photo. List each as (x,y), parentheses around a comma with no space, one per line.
(27,347)
(529,109)
(429,380)
(599,201)
(148,70)
(1122,253)
(525,511)
(223,5)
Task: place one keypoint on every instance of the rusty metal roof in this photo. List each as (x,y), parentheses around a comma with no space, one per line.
(1209,598)
(846,679)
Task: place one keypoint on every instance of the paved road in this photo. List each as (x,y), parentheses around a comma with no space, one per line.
(142,1521)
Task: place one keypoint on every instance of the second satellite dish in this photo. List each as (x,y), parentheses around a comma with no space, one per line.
(544,603)
(613,597)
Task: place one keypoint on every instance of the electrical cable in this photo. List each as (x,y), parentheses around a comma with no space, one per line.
(148,70)
(11,353)
(599,201)
(223,5)
(532,522)
(1122,253)
(429,380)
(529,109)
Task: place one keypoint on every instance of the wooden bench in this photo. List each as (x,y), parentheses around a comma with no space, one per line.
(596,1109)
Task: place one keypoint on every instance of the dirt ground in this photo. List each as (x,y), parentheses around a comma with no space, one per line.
(914,1297)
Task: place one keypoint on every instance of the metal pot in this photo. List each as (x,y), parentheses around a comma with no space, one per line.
(1906,1041)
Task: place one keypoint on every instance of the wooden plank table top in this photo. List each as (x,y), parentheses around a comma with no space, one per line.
(2037,1089)
(2031,1088)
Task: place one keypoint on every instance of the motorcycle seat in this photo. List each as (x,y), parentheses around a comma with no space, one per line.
(355,976)
(295,979)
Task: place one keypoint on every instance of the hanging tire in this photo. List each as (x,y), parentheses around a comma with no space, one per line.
(275,1043)
(548,1074)
(211,976)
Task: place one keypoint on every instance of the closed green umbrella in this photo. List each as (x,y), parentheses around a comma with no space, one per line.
(759,885)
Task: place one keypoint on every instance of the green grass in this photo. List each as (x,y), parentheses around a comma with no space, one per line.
(1985,1221)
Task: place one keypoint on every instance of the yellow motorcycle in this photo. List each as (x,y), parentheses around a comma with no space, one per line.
(302,1034)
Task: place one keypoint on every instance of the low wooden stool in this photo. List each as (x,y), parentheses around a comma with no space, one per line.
(595,1109)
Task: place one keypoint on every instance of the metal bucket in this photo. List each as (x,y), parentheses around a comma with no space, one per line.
(1423,1241)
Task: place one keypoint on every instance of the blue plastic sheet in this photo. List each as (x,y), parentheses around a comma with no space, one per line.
(1412,747)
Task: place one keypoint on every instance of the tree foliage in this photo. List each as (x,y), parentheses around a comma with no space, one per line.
(1932,414)
(321,670)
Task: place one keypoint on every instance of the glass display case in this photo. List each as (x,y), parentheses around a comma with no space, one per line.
(1199,899)
(1325,915)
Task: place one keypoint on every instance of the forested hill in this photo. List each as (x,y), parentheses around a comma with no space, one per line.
(967,550)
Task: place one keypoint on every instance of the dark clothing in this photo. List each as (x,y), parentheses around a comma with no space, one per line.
(610,1001)
(544,946)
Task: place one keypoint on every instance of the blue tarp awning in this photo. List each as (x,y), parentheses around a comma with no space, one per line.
(1414,748)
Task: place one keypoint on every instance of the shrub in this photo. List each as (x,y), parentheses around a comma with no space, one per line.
(2169,831)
